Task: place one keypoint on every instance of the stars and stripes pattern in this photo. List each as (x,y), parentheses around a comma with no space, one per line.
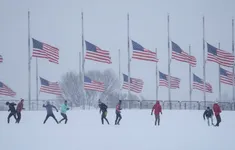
(198,84)
(226,76)
(164,80)
(136,85)
(43,50)
(50,87)
(180,55)
(219,56)
(141,53)
(1,59)
(96,54)
(6,91)
(93,85)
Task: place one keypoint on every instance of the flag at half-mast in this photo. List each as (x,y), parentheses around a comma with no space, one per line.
(43,50)
(180,55)
(95,53)
(226,76)
(136,85)
(1,59)
(164,80)
(141,53)
(93,85)
(198,84)
(219,56)
(6,91)
(50,87)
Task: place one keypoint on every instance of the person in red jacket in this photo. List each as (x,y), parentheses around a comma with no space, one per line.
(19,108)
(118,113)
(217,111)
(157,110)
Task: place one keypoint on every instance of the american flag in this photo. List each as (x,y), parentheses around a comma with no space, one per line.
(139,52)
(42,50)
(136,85)
(219,56)
(96,54)
(164,80)
(180,55)
(226,76)
(6,91)
(93,85)
(199,84)
(50,87)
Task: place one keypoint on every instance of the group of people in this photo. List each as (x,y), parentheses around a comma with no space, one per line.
(16,112)
(157,109)
(208,114)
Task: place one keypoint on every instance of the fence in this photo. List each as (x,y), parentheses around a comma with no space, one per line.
(131,104)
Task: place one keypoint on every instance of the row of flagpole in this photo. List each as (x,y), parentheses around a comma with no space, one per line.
(169,61)
(129,61)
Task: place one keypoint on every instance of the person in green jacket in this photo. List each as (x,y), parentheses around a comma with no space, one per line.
(64,108)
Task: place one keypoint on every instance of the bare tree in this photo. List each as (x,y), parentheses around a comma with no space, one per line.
(71,88)
(71,85)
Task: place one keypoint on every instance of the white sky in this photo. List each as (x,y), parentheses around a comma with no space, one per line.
(58,22)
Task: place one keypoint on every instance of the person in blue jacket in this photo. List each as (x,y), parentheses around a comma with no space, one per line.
(64,108)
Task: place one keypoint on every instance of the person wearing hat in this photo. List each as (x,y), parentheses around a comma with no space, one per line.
(118,113)
(63,110)
(208,114)
(19,108)
(50,113)
(103,109)
(157,108)
(217,112)
(12,111)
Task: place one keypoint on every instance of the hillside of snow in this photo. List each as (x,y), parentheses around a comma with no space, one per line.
(179,130)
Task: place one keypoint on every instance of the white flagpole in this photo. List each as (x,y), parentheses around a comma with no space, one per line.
(83,64)
(190,80)
(37,82)
(204,62)
(129,65)
(233,55)
(156,76)
(219,79)
(29,63)
(169,60)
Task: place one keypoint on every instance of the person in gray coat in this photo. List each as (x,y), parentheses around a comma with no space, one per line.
(50,113)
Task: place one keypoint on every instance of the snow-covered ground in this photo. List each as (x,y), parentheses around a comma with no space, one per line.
(179,130)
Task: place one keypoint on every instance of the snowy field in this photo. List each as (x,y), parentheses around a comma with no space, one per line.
(179,130)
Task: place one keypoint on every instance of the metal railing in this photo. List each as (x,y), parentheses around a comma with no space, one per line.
(130,104)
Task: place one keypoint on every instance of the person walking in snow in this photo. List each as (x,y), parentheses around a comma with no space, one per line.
(157,108)
(208,114)
(19,108)
(12,111)
(103,109)
(50,113)
(64,108)
(118,113)
(217,112)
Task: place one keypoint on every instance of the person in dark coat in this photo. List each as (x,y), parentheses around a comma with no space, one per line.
(50,113)
(118,113)
(103,109)
(157,108)
(12,111)
(208,114)
(19,108)
(217,112)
